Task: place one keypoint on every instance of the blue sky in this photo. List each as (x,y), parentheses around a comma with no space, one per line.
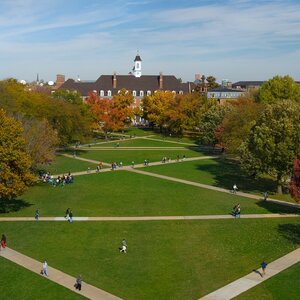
(233,39)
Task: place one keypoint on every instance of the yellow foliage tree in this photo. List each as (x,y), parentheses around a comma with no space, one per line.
(15,163)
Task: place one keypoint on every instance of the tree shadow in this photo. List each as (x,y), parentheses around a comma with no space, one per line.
(278,208)
(77,152)
(7,206)
(291,232)
(227,172)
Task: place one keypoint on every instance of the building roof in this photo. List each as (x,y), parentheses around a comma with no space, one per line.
(224,90)
(137,58)
(128,82)
(247,83)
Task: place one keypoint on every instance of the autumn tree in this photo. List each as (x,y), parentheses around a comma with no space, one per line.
(184,112)
(111,114)
(295,181)
(273,142)
(156,108)
(15,163)
(279,89)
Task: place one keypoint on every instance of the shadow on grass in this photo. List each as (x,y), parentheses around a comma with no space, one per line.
(7,206)
(278,208)
(291,232)
(78,152)
(228,172)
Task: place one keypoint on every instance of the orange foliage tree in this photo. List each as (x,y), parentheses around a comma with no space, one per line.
(111,114)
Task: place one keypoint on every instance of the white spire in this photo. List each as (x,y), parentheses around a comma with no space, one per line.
(137,69)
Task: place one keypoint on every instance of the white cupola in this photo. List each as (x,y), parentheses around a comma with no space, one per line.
(137,69)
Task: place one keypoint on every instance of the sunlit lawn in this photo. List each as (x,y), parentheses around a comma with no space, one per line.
(18,283)
(165,259)
(62,164)
(123,193)
(285,285)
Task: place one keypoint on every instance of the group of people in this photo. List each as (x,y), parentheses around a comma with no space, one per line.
(115,165)
(60,180)
(99,166)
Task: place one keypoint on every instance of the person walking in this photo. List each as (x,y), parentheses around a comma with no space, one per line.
(263,267)
(37,214)
(234,188)
(78,283)
(71,216)
(123,247)
(45,268)
(3,241)
(67,214)
(265,196)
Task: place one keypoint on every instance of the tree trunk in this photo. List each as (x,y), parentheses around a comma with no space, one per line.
(279,184)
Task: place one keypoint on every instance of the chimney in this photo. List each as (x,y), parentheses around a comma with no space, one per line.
(60,80)
(229,84)
(161,81)
(198,77)
(115,80)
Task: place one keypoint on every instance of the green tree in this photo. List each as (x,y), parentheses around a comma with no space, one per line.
(273,142)
(279,89)
(15,163)
(211,82)
(237,123)
(73,97)
(210,121)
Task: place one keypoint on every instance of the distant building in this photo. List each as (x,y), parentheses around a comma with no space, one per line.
(247,85)
(223,94)
(106,86)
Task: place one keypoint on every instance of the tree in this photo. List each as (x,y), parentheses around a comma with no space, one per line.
(210,121)
(211,82)
(156,108)
(279,89)
(184,112)
(15,163)
(73,97)
(295,181)
(111,114)
(237,123)
(273,142)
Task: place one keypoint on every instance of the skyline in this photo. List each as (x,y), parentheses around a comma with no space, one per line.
(235,39)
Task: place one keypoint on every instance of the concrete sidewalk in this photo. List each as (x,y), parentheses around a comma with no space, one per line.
(56,276)
(245,283)
(150,218)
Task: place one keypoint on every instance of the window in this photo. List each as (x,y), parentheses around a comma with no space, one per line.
(101,93)
(109,93)
(174,92)
(148,93)
(137,65)
(181,92)
(141,93)
(134,93)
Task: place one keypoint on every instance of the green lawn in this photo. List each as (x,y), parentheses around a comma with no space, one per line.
(123,193)
(165,260)
(18,283)
(285,285)
(62,164)
(139,143)
(222,173)
(136,155)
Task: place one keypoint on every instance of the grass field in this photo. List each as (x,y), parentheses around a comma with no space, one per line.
(165,260)
(123,193)
(62,164)
(18,283)
(285,285)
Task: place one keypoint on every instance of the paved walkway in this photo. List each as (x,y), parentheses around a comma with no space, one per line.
(56,276)
(152,218)
(252,279)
